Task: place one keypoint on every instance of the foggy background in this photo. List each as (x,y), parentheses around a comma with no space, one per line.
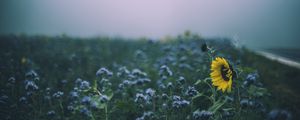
(255,23)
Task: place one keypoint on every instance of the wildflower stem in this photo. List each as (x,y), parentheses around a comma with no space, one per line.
(192,107)
(33,102)
(239,99)
(61,107)
(93,118)
(95,85)
(106,114)
(153,105)
(212,89)
(170,92)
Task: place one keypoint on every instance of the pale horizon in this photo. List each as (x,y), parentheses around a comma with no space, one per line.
(255,23)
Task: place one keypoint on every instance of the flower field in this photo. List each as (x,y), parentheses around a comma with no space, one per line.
(176,78)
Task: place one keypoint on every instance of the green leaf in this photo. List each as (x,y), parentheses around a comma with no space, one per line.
(198,95)
(109,94)
(101,105)
(201,81)
(217,105)
(257,91)
(198,82)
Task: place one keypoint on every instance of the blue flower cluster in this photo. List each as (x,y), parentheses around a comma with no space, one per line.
(150,80)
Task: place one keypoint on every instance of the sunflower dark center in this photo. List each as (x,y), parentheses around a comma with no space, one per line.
(224,72)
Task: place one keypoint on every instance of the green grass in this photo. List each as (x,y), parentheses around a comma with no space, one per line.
(65,58)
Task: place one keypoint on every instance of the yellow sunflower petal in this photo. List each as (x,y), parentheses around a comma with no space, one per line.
(218,67)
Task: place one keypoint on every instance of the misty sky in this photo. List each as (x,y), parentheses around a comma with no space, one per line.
(256,23)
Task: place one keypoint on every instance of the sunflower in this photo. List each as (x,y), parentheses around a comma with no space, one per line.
(222,74)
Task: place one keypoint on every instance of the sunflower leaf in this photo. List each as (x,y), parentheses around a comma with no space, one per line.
(198,95)
(198,82)
(217,105)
